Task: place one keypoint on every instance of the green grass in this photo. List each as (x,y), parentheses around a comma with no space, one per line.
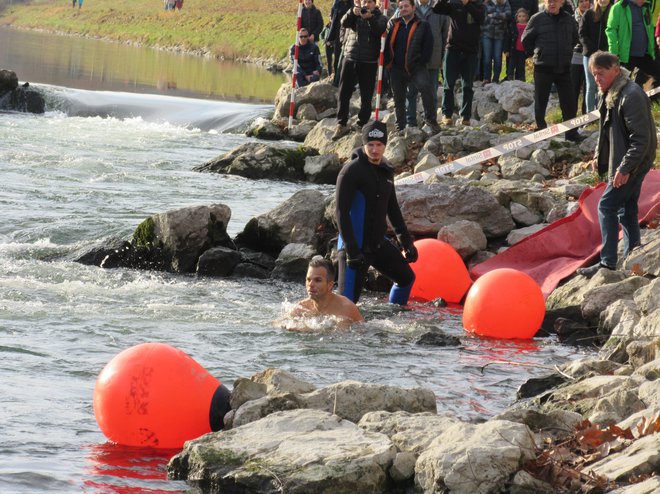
(221,28)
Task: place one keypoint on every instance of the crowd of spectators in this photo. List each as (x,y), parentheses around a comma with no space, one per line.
(428,41)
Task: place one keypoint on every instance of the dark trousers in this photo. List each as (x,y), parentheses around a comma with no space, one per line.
(516,66)
(400,79)
(387,260)
(339,58)
(543,80)
(579,85)
(648,66)
(458,64)
(365,75)
(619,205)
(329,51)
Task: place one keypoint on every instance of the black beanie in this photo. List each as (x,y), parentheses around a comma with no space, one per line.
(374,131)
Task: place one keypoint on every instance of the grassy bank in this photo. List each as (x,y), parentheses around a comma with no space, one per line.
(222,28)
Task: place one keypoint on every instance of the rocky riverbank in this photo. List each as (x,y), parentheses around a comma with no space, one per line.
(593,426)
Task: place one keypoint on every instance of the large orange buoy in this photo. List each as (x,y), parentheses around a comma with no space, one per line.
(504,303)
(439,272)
(156,395)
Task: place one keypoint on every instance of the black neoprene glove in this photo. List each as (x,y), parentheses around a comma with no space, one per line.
(410,252)
(356,262)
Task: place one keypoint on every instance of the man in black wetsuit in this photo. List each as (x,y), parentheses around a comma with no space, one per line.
(365,200)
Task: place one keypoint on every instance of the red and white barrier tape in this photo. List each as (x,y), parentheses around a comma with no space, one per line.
(506,147)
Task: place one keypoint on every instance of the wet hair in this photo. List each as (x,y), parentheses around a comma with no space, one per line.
(604,60)
(322,262)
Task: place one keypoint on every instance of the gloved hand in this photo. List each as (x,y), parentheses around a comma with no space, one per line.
(356,262)
(410,252)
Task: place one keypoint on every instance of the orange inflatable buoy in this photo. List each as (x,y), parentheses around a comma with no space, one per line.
(439,272)
(156,395)
(504,303)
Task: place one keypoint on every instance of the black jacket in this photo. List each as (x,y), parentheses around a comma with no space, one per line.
(419,46)
(376,184)
(309,57)
(551,39)
(592,32)
(337,12)
(362,38)
(312,20)
(466,21)
(627,139)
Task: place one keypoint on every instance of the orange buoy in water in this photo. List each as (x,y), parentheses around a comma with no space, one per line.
(439,272)
(156,395)
(504,303)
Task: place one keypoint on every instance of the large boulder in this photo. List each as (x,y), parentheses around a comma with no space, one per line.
(598,299)
(182,235)
(298,220)
(428,208)
(466,237)
(320,138)
(262,128)
(348,399)
(297,452)
(23,99)
(474,459)
(646,259)
(321,95)
(256,161)
(410,432)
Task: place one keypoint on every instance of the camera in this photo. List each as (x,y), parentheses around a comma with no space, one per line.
(364,10)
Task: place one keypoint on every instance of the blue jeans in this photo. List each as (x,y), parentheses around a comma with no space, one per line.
(619,206)
(411,97)
(458,64)
(591,86)
(491,58)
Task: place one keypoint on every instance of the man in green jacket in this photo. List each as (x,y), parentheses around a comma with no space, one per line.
(630,37)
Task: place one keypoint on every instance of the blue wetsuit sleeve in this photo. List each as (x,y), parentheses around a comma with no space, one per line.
(344,195)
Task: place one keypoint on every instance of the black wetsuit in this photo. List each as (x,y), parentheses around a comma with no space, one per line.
(365,199)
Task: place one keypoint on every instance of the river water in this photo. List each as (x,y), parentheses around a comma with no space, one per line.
(95,165)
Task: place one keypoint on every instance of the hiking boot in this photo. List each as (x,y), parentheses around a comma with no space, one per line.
(465,122)
(447,121)
(592,270)
(340,131)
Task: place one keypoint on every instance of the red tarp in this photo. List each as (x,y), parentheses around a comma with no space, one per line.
(555,252)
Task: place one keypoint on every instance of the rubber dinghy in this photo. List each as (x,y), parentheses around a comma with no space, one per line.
(555,252)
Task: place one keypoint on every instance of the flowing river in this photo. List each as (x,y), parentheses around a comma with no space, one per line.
(100,160)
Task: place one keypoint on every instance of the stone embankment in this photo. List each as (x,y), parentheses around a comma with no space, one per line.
(593,426)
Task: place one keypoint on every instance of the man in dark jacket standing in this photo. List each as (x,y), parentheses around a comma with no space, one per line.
(439,25)
(551,36)
(366,199)
(626,149)
(364,25)
(336,35)
(461,58)
(312,20)
(409,46)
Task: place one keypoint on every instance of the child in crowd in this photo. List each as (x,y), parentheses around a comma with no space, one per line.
(517,54)
(494,33)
